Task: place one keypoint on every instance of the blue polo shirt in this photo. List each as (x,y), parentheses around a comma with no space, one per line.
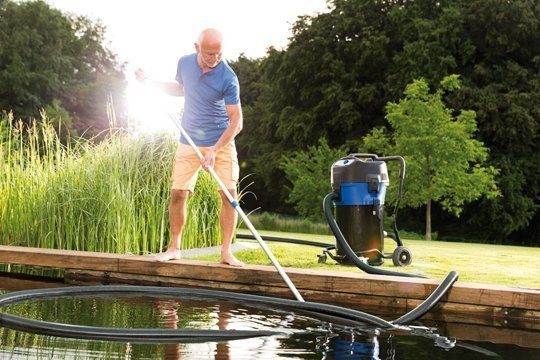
(205,116)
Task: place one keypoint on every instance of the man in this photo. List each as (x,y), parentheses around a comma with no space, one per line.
(212,118)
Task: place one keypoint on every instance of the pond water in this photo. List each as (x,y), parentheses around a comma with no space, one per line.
(304,337)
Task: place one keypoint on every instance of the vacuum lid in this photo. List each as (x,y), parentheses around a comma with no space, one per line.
(353,170)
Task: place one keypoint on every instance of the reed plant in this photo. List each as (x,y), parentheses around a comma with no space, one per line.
(108,196)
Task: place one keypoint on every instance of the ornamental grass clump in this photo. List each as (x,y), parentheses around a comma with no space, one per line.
(108,196)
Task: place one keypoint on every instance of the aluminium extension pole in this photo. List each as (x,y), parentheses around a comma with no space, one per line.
(244,217)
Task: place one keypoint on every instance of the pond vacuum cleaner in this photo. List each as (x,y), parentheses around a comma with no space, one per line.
(359,184)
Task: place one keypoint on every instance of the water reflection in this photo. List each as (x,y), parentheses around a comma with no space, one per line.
(345,348)
(168,313)
(309,338)
(222,348)
(349,345)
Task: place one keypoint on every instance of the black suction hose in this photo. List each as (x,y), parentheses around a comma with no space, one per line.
(421,309)
(285,240)
(167,335)
(317,310)
(414,314)
(195,335)
(327,205)
(128,335)
(324,311)
(431,301)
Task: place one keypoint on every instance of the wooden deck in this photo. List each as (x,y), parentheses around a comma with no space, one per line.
(466,303)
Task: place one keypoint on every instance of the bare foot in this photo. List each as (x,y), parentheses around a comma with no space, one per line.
(229,259)
(168,255)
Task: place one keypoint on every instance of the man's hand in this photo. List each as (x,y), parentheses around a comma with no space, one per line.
(209,159)
(141,75)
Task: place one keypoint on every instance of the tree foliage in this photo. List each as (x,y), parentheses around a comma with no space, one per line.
(341,68)
(47,55)
(444,160)
(309,173)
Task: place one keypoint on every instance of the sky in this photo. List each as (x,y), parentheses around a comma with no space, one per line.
(153,35)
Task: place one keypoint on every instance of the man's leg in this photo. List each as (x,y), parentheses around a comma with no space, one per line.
(227,220)
(177,219)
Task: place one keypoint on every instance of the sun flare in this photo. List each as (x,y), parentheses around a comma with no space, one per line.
(150,110)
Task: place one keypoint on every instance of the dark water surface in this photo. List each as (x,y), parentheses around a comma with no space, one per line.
(304,337)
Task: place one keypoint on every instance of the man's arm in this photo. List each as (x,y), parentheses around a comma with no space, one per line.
(236,121)
(171,88)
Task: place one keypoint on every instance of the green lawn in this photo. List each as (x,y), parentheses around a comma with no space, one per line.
(482,263)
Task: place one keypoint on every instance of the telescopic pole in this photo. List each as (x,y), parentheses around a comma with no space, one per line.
(244,217)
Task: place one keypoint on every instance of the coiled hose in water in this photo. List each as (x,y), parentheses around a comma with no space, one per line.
(324,311)
(167,335)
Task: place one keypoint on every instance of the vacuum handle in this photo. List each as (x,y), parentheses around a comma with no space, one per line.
(401,162)
(364,155)
(400,192)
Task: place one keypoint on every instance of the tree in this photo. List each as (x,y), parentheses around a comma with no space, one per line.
(247,70)
(444,161)
(326,84)
(47,55)
(309,173)
(341,68)
(503,86)
(495,46)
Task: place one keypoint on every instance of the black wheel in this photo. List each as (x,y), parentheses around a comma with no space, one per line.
(322,258)
(402,256)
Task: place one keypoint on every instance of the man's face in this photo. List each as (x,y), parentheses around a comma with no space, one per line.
(210,54)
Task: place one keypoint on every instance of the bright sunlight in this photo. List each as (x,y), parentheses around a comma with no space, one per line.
(150,109)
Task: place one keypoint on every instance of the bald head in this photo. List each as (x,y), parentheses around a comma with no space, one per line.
(210,37)
(208,47)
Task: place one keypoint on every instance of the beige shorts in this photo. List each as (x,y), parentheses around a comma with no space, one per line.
(187,165)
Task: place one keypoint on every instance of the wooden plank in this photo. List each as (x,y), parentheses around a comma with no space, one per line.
(356,284)
(346,282)
(17,284)
(496,335)
(58,258)
(481,315)
(496,295)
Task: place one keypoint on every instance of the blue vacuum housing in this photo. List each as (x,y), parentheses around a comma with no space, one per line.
(361,185)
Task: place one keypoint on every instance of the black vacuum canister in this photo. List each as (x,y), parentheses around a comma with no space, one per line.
(361,185)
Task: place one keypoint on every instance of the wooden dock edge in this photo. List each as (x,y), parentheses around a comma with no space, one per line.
(479,304)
